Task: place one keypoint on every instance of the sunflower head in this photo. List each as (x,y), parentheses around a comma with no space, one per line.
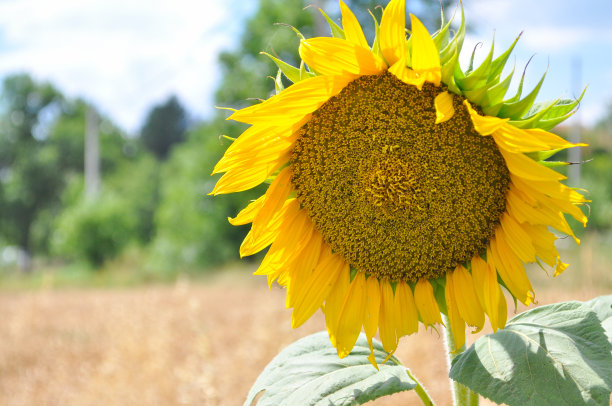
(400,185)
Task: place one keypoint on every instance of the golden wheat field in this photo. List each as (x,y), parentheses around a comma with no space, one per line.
(187,343)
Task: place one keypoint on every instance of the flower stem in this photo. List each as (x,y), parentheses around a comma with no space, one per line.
(462,396)
(420,391)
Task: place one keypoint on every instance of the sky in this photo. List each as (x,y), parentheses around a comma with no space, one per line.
(125,56)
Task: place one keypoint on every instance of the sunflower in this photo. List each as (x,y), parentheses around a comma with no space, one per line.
(400,186)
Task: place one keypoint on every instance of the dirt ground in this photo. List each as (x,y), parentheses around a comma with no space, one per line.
(186,344)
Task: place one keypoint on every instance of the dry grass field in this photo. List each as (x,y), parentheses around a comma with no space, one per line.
(184,344)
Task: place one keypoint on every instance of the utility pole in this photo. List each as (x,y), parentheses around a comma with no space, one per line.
(575,154)
(92,155)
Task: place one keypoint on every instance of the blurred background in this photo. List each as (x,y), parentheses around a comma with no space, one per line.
(120,280)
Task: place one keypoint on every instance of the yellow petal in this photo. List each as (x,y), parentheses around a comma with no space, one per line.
(517,140)
(551,140)
(334,302)
(257,136)
(517,238)
(318,286)
(425,55)
(247,214)
(553,193)
(544,243)
(275,197)
(485,125)
(387,320)
(553,189)
(293,103)
(510,269)
(406,75)
(525,208)
(370,324)
(444,107)
(303,267)
(336,56)
(352,28)
(352,315)
(502,309)
(252,245)
(466,297)
(494,300)
(457,325)
(527,168)
(407,317)
(479,268)
(289,243)
(249,175)
(392,32)
(426,303)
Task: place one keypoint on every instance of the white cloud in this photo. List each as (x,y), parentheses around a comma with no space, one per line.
(122,55)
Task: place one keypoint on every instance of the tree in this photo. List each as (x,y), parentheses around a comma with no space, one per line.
(29,164)
(164,127)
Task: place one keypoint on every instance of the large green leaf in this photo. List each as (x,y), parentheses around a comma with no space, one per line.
(602,306)
(552,355)
(309,372)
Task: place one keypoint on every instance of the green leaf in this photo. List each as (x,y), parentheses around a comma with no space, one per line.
(602,306)
(309,372)
(552,355)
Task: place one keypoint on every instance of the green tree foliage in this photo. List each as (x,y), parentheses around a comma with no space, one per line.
(29,164)
(164,127)
(94,231)
(192,228)
(42,138)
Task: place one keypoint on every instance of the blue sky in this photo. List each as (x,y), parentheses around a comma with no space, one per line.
(126,55)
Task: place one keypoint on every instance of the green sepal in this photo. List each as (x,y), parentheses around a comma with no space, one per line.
(353,273)
(304,74)
(498,64)
(495,96)
(376,43)
(534,114)
(477,77)
(448,74)
(278,82)
(439,286)
(477,96)
(562,107)
(547,115)
(442,36)
(299,34)
(553,164)
(336,31)
(516,110)
(543,155)
(291,72)
(519,90)
(453,48)
(449,58)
